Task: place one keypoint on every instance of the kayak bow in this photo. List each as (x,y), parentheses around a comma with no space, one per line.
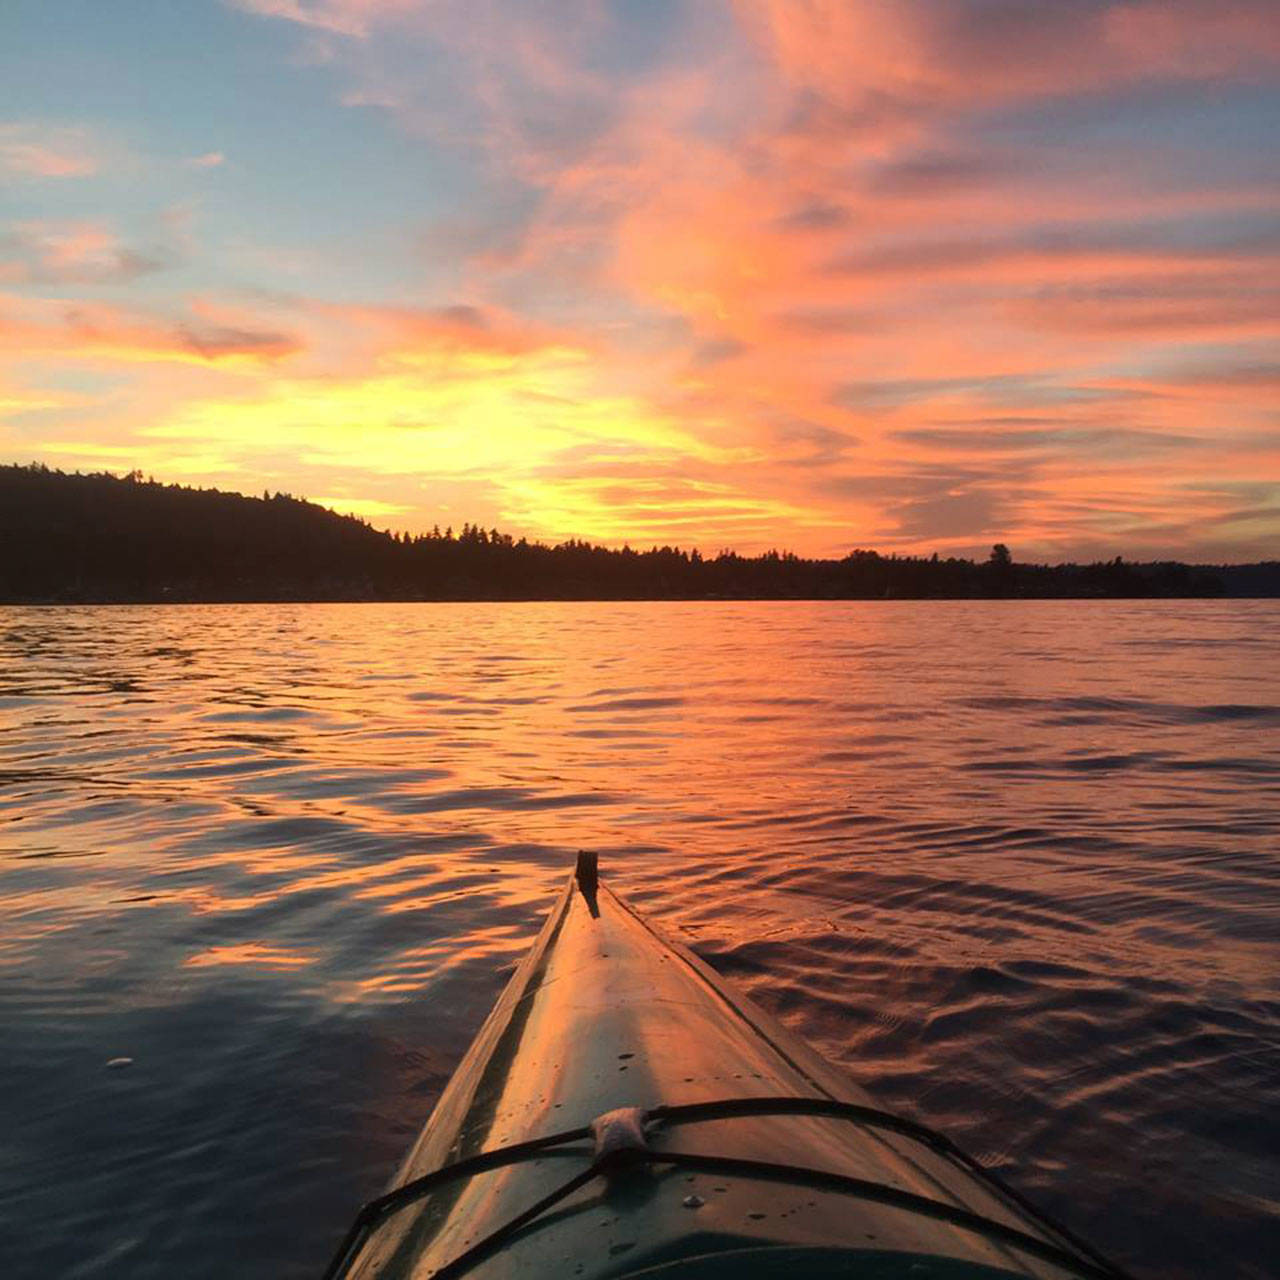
(624,1113)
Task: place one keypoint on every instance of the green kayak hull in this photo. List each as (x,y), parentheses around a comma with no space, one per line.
(605,1015)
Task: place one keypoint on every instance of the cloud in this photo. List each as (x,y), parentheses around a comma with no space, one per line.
(996,436)
(208,160)
(890,394)
(942,504)
(891,61)
(1243,375)
(1052,248)
(36,151)
(452,340)
(716,350)
(1190,304)
(336,17)
(97,331)
(41,252)
(796,442)
(815,215)
(832,320)
(968,513)
(215,342)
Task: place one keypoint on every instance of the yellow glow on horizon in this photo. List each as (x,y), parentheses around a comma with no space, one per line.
(477,418)
(651,513)
(534,426)
(366,508)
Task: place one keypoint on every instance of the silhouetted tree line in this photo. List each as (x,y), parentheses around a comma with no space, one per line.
(103,538)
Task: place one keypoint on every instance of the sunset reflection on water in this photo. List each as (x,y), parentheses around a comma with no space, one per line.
(1012,863)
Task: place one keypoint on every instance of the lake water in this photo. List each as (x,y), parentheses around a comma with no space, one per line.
(1015,864)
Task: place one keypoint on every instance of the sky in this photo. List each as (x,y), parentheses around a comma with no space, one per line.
(913,275)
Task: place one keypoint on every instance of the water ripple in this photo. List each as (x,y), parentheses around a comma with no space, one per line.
(1014,865)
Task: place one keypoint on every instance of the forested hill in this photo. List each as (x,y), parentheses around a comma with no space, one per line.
(102,538)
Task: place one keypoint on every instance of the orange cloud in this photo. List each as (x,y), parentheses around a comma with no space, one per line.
(382,334)
(103,332)
(1186,305)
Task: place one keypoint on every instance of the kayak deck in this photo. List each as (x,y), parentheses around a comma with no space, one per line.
(756,1156)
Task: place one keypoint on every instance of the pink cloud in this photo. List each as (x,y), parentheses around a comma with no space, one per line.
(69,252)
(36,151)
(887,62)
(1196,39)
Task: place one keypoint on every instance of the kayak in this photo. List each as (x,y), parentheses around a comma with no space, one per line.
(623,1112)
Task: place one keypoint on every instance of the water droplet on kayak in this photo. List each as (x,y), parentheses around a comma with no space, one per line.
(623,1056)
(693,1202)
(114,1064)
